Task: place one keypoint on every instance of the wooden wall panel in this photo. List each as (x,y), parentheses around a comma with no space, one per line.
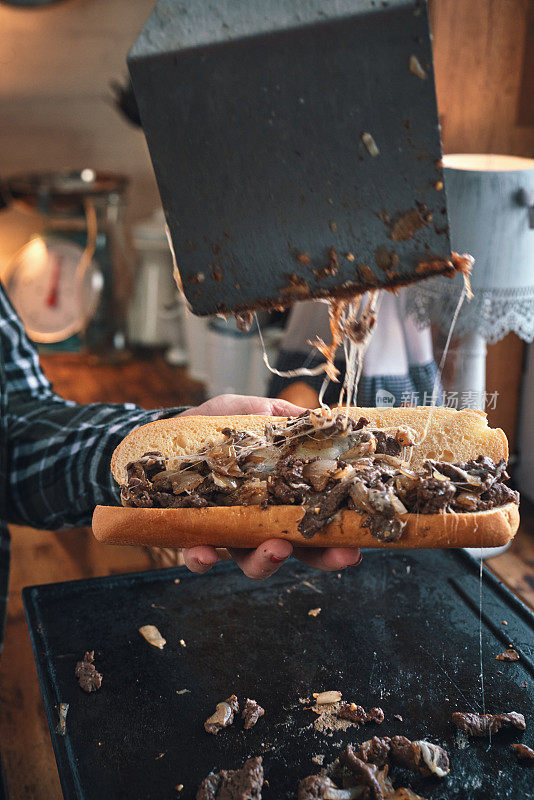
(525,109)
(480,56)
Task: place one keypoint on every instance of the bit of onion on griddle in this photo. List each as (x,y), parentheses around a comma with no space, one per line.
(153,636)
(416,68)
(223,715)
(324,698)
(61,727)
(371,145)
(432,754)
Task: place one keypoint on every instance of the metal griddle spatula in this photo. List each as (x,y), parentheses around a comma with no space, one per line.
(296,146)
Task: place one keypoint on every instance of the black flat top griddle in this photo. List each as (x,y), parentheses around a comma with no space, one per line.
(401,632)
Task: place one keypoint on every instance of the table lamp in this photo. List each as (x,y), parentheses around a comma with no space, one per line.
(490,200)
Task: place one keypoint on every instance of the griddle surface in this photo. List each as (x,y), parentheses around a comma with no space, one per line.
(400,632)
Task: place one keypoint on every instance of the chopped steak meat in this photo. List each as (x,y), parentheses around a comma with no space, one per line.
(234,784)
(323,461)
(523,752)
(418,756)
(318,516)
(89,679)
(363,769)
(376,750)
(365,774)
(484,724)
(288,486)
(314,787)
(404,753)
(357,714)
(223,716)
(386,443)
(385,529)
(251,713)
(508,655)
(433,759)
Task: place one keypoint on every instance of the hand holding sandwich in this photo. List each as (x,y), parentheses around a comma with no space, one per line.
(322,480)
(266,559)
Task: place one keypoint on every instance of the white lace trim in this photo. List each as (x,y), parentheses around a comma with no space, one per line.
(492,312)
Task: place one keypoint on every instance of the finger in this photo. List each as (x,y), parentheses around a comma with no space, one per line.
(265,560)
(283,408)
(200,559)
(329,559)
(226,404)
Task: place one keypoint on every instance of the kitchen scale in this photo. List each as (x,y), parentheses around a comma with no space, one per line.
(70,282)
(55,288)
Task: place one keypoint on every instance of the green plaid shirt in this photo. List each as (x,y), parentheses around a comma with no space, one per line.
(54,454)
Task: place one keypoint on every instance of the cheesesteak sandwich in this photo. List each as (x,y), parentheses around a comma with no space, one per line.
(394,477)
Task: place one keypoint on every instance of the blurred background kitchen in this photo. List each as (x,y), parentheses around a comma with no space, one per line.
(62,76)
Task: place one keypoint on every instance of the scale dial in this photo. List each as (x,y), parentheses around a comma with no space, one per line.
(52,293)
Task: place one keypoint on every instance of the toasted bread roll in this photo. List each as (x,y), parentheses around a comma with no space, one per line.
(249,526)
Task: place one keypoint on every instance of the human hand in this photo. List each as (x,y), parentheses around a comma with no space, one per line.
(265,560)
(227,404)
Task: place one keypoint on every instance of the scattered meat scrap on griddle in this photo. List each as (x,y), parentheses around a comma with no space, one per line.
(524,753)
(358,715)
(418,756)
(234,784)
(251,713)
(314,787)
(363,770)
(509,655)
(375,750)
(365,774)
(89,679)
(484,724)
(361,469)
(223,716)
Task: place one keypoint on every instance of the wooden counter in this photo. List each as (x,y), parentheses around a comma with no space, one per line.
(44,557)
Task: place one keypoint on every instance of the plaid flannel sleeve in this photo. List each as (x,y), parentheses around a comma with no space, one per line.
(56,453)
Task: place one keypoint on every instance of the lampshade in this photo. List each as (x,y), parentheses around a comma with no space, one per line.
(490,200)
